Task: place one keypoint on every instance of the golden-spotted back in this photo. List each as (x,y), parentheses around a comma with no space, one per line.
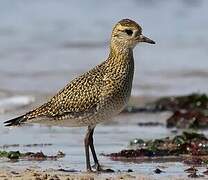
(98,94)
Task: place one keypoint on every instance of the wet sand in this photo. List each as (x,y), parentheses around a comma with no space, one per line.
(32,174)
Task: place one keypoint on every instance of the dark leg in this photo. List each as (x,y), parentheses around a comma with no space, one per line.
(87,143)
(97,165)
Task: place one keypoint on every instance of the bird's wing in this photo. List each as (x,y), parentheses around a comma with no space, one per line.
(81,95)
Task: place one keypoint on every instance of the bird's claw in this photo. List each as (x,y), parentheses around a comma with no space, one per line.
(99,168)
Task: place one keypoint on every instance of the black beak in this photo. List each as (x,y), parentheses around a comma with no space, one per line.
(146,39)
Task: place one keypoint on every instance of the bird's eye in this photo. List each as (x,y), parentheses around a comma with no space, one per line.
(129,32)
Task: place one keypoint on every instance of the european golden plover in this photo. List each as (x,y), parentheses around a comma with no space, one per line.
(98,94)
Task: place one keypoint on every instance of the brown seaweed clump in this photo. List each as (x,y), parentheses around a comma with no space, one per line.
(190,102)
(188,111)
(188,119)
(38,156)
(189,144)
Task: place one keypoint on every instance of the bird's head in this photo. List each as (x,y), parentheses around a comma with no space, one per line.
(128,33)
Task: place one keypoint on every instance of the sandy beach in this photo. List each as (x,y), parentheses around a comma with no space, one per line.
(32,174)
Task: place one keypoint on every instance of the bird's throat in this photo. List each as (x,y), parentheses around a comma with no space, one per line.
(121,55)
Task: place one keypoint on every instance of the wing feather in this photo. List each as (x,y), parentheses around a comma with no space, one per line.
(80,96)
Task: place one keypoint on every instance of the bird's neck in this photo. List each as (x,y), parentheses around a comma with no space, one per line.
(120,54)
(120,63)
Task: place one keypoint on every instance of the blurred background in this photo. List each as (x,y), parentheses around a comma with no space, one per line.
(44,44)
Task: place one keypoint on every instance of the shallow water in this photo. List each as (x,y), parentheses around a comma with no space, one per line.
(111,137)
(44,44)
(108,138)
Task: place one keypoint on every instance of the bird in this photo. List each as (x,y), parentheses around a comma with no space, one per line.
(95,96)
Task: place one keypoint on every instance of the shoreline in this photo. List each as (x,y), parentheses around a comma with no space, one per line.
(35,174)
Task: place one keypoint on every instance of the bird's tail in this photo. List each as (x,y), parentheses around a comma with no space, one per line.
(38,112)
(16,121)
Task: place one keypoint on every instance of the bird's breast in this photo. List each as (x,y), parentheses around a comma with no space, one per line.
(117,88)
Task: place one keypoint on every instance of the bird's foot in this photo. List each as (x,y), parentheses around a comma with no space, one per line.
(99,168)
(89,170)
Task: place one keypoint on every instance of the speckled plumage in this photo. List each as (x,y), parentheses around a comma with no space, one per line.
(98,94)
(93,97)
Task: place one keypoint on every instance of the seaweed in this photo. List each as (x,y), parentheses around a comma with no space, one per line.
(191,170)
(11,154)
(195,175)
(189,111)
(175,103)
(150,124)
(188,119)
(25,145)
(38,156)
(191,144)
(158,171)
